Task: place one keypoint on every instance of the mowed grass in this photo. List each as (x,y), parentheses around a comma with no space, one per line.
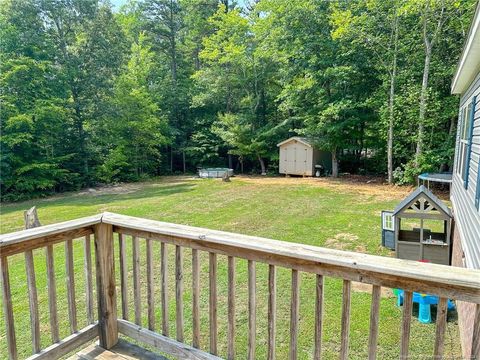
(344,215)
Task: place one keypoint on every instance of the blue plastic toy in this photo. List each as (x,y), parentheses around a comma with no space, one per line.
(424,301)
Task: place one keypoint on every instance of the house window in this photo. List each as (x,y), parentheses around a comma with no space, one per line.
(465,138)
(477,195)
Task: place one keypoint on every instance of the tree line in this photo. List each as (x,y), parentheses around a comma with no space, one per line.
(91,95)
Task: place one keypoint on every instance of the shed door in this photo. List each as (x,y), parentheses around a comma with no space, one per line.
(388,230)
(290,158)
(283,159)
(301,159)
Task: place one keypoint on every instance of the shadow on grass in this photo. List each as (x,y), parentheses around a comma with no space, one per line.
(94,199)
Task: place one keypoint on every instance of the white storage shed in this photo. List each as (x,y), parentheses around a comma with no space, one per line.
(299,157)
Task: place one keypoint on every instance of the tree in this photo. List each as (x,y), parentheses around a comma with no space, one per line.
(239,73)
(375,25)
(315,70)
(89,95)
(137,129)
(88,46)
(432,19)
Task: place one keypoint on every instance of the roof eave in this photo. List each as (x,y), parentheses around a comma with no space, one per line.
(469,63)
(296,138)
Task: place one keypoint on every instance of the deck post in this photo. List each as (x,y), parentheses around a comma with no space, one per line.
(106,291)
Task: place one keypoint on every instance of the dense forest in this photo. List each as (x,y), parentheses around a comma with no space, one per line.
(92,94)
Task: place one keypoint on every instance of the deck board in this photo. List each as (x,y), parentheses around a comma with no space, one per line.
(122,351)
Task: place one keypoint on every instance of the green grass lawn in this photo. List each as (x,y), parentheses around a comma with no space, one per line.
(317,212)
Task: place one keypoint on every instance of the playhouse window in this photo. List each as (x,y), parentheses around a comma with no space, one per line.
(433,230)
(410,224)
(388,221)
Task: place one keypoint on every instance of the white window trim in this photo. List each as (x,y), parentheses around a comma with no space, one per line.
(463,139)
(392,221)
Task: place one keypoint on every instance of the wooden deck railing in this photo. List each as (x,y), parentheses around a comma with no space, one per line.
(456,283)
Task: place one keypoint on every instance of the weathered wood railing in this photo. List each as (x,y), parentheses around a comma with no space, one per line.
(456,283)
(46,237)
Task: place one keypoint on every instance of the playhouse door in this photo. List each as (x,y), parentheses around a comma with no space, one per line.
(388,230)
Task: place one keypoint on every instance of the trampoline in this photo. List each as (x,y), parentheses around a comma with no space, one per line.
(444,178)
(214,172)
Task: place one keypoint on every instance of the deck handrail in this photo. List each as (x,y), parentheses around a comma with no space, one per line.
(456,283)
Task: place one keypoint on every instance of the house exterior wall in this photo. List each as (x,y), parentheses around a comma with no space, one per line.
(467,216)
(466,311)
(466,234)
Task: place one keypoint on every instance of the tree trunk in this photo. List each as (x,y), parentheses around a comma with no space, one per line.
(196,57)
(31,218)
(225,2)
(358,152)
(183,159)
(334,164)
(423,102)
(391,104)
(429,43)
(81,132)
(262,165)
(230,161)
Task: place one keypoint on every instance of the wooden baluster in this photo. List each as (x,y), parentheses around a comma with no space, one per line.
(164,273)
(318,318)
(179,291)
(136,280)
(196,298)
(475,353)
(88,279)
(294,314)
(374,317)
(52,294)
(33,301)
(272,310)
(123,275)
(70,280)
(252,314)
(150,297)
(106,286)
(347,284)
(406,321)
(213,302)
(440,328)
(7,309)
(231,309)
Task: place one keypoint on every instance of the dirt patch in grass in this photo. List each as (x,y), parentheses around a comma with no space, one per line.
(367,288)
(127,188)
(345,241)
(369,186)
(111,190)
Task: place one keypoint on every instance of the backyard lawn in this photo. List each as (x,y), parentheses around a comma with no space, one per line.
(337,214)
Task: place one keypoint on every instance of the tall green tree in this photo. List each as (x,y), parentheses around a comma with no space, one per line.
(137,128)
(240,74)
(375,25)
